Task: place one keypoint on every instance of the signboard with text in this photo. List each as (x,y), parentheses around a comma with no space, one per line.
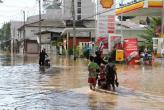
(102,43)
(119,55)
(111,24)
(105,21)
(131,50)
(107,44)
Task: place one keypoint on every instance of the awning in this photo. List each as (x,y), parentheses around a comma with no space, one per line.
(70,30)
(143,8)
(55,30)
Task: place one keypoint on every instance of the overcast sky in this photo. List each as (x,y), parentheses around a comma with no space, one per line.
(13,9)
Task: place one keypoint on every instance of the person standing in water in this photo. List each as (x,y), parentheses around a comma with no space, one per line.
(42,56)
(92,67)
(111,74)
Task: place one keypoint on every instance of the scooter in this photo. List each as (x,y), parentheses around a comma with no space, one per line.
(47,62)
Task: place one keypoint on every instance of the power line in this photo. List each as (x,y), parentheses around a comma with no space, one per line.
(99,13)
(102,12)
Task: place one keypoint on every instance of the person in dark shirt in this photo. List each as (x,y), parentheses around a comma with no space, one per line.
(98,59)
(42,56)
(111,74)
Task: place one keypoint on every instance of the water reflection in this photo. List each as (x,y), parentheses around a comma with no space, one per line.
(102,101)
(7,60)
(26,86)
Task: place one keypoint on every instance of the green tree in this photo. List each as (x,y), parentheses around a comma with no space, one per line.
(5,32)
(5,35)
(151,30)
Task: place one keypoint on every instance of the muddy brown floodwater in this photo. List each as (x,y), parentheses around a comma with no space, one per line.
(63,86)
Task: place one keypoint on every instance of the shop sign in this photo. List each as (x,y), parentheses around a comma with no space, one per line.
(131,50)
(119,55)
(106,3)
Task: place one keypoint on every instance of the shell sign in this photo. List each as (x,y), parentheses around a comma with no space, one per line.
(106,3)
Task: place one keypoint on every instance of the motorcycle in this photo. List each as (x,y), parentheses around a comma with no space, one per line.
(47,62)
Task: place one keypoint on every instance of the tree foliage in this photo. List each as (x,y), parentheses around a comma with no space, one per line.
(5,33)
(150,30)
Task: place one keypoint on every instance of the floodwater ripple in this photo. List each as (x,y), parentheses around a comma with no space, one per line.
(26,86)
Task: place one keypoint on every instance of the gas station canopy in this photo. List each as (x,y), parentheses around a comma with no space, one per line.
(142,8)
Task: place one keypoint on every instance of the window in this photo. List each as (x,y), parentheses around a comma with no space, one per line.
(79,10)
(78,4)
(78,17)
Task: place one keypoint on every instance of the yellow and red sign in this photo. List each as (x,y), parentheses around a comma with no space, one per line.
(140,5)
(119,55)
(107,3)
(132,7)
(155,3)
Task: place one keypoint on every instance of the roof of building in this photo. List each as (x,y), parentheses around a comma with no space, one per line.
(46,23)
(129,25)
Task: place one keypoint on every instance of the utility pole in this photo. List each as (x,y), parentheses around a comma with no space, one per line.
(122,6)
(162,26)
(24,33)
(39,25)
(74,30)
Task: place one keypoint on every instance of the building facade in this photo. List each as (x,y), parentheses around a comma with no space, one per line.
(84,9)
(57,20)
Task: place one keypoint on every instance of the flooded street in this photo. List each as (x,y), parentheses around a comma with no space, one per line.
(26,86)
